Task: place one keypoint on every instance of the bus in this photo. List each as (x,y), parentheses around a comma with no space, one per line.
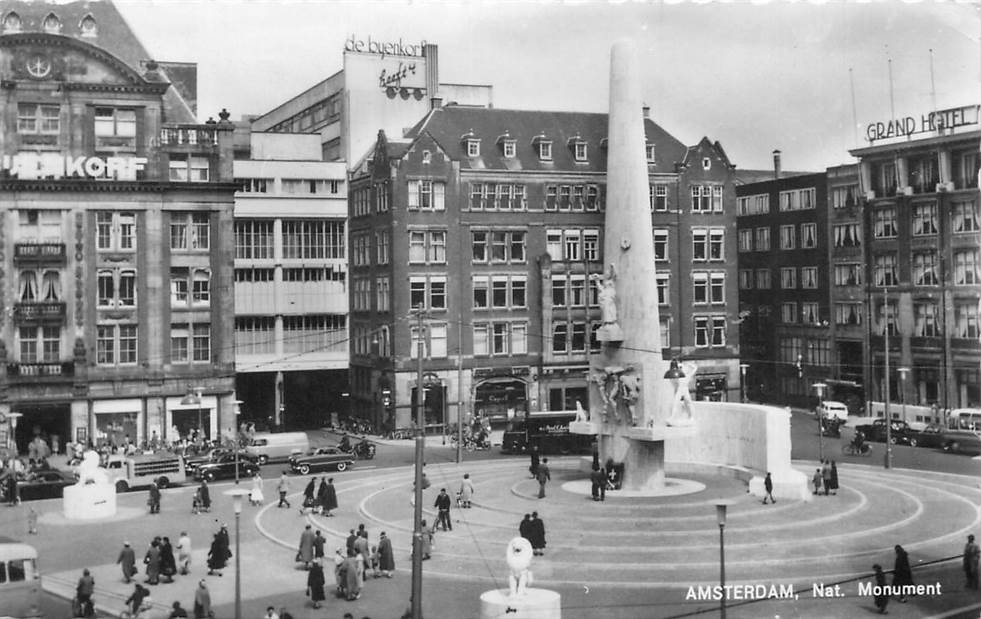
(964,419)
(135,471)
(20,581)
(549,430)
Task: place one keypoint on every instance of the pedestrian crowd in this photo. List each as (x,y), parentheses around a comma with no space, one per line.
(825,478)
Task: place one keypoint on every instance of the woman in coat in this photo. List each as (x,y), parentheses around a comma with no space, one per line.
(330,498)
(386,558)
(152,561)
(315,584)
(216,555)
(466,491)
(352,580)
(834,477)
(308,492)
(322,495)
(202,601)
(902,574)
(304,551)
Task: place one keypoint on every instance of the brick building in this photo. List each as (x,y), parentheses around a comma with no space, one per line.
(115,236)
(492,221)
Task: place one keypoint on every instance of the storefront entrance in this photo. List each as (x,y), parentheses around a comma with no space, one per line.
(499,399)
(51,422)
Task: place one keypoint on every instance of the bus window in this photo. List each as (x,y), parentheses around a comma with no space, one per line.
(3,572)
(17,570)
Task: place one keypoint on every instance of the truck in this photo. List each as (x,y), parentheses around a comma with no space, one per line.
(141,470)
(547,429)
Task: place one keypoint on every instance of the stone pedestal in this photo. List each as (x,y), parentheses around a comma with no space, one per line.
(534,604)
(89,501)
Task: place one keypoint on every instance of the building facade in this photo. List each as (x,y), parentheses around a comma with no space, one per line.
(491,222)
(923,261)
(783,292)
(116,233)
(291,303)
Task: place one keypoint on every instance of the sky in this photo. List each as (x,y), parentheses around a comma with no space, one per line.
(755,77)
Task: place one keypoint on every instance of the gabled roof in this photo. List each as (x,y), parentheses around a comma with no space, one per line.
(112,34)
(706,143)
(448,125)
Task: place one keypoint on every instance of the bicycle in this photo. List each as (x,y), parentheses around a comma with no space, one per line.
(849,449)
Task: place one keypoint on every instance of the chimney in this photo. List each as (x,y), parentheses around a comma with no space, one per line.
(776,164)
(435,102)
(647,111)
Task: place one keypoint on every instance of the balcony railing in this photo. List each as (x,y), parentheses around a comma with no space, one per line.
(44,311)
(40,369)
(39,253)
(190,135)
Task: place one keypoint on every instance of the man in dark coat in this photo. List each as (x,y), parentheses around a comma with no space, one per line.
(315,584)
(596,482)
(386,558)
(330,500)
(971,556)
(154,498)
(216,556)
(205,495)
(534,462)
(768,486)
(127,561)
(152,561)
(902,573)
(168,563)
(353,537)
(443,505)
(537,529)
(524,529)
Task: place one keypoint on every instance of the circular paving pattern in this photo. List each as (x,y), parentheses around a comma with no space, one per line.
(652,541)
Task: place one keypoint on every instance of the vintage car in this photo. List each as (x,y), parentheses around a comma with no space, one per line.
(899,433)
(192,462)
(962,441)
(321,459)
(830,409)
(223,467)
(931,436)
(44,484)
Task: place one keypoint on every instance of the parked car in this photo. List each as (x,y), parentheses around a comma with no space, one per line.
(320,459)
(900,432)
(45,484)
(931,437)
(962,441)
(829,409)
(223,467)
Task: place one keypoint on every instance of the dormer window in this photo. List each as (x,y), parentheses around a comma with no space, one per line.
(52,24)
(88,26)
(473,148)
(579,150)
(510,148)
(706,163)
(11,23)
(543,146)
(427,156)
(650,152)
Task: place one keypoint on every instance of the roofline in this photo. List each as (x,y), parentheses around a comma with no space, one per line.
(909,144)
(298,95)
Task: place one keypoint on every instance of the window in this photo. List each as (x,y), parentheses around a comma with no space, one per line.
(116,288)
(710,331)
(762,239)
(649,148)
(253,185)
(844,197)
(39,226)
(201,343)
(808,236)
(427,195)
(809,277)
(924,219)
(190,286)
(427,246)
(382,247)
(189,168)
(966,267)
(500,338)
(847,235)
(545,150)
(663,281)
(510,148)
(925,323)
(884,223)
(253,239)
(706,198)
(590,245)
(36,118)
(753,205)
(115,231)
(922,173)
(190,231)
(966,168)
(659,197)
(551,197)
(706,163)
(580,151)
(848,274)
(966,320)
(473,148)
(560,338)
(707,244)
(887,319)
(788,313)
(571,244)
(382,294)
(660,245)
(884,269)
(113,122)
(787,236)
(809,313)
(565,197)
(316,239)
(559,289)
(12,22)
(39,345)
(797,199)
(848,313)
(763,279)
(925,268)
(428,291)
(708,287)
(745,240)
(745,279)
(116,344)
(501,247)
(884,179)
(965,217)
(788,278)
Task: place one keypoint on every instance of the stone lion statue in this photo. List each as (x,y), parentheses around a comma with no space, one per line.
(89,471)
(519,560)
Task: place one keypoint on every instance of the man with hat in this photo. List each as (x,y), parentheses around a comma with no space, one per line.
(127,561)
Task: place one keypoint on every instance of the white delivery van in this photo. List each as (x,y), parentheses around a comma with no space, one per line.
(268,447)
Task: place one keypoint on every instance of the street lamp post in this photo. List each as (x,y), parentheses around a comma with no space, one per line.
(820,417)
(416,601)
(903,371)
(237,494)
(720,515)
(742,380)
(236,436)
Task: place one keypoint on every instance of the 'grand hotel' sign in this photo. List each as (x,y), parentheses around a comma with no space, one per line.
(927,123)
